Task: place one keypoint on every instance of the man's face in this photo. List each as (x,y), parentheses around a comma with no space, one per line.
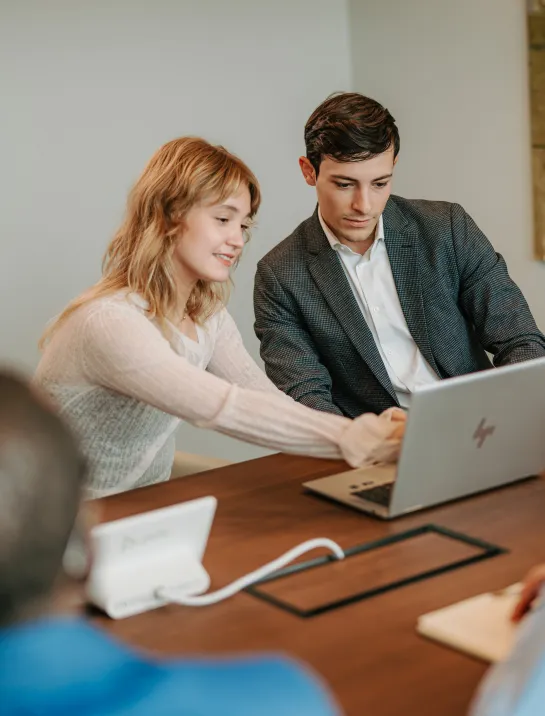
(352,195)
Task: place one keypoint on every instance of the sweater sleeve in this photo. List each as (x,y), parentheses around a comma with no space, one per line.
(123,351)
(232,362)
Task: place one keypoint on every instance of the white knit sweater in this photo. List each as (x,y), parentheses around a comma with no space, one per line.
(124,387)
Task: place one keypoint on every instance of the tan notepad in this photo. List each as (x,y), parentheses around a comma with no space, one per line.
(479,626)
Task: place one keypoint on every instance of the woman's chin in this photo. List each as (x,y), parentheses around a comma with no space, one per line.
(216,276)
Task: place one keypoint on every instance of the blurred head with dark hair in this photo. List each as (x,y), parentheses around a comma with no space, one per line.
(41,476)
(352,144)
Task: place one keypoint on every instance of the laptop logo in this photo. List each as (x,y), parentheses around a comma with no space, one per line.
(483,432)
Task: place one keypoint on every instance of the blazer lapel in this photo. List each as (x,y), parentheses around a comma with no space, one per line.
(402,246)
(327,271)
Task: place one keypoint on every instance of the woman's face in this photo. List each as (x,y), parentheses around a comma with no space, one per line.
(212,239)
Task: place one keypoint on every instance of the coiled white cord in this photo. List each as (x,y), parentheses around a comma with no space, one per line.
(204,600)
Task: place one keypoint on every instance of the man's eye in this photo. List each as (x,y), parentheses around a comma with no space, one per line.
(341,185)
(381,185)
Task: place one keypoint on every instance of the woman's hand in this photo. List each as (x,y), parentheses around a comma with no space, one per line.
(397,416)
(532,584)
(373,439)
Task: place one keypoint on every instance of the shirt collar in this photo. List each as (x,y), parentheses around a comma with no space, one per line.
(334,241)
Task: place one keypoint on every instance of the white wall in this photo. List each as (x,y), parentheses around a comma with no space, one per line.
(90,90)
(454,75)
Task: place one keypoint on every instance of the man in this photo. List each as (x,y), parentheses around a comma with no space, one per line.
(56,665)
(375,295)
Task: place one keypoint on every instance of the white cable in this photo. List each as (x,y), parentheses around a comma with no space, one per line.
(203,600)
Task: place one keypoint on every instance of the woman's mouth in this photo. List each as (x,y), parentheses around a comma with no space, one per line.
(225,259)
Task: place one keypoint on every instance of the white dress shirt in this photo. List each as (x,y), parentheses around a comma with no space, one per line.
(372,282)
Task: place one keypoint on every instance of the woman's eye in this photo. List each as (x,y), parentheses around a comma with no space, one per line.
(222,220)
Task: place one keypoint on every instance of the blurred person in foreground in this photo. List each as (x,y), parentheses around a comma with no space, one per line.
(55,663)
(516,686)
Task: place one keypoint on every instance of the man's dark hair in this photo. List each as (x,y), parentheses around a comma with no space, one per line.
(41,476)
(349,127)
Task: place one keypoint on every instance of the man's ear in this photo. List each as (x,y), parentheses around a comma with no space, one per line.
(308,171)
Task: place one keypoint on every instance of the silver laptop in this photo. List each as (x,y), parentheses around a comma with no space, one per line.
(464,435)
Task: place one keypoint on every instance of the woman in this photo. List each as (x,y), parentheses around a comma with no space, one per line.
(152,343)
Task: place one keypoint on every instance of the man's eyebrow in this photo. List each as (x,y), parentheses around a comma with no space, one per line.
(341,176)
(356,181)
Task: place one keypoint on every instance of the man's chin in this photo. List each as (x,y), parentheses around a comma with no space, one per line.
(357,233)
(357,236)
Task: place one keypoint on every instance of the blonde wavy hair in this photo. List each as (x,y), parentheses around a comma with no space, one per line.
(182,173)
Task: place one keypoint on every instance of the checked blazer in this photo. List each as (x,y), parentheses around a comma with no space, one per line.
(455,292)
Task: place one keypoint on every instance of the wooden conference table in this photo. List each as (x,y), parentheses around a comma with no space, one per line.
(368,651)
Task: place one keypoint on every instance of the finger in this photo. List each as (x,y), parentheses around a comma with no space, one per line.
(527,596)
(398,432)
(394,415)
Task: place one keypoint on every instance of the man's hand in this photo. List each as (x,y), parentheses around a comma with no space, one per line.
(533,582)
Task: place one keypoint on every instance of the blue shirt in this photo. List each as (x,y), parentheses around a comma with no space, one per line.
(65,667)
(516,687)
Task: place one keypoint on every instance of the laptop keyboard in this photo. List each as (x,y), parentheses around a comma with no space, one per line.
(380,494)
